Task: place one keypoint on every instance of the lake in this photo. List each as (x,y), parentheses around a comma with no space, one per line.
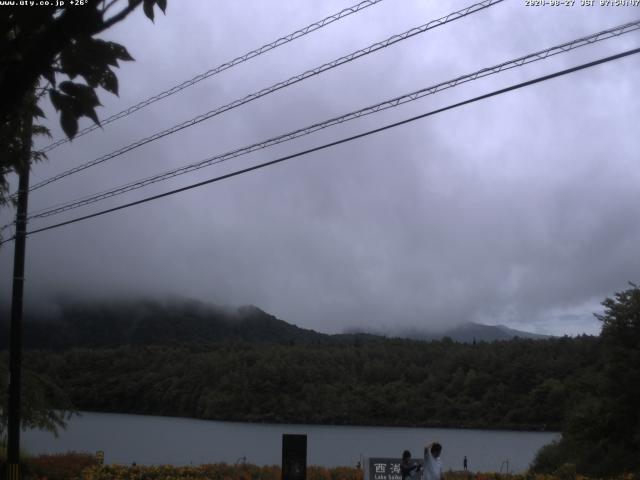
(149,440)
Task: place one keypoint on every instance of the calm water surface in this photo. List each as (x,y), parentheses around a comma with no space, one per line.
(179,441)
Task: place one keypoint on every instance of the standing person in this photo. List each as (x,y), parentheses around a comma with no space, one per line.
(408,469)
(464,463)
(432,465)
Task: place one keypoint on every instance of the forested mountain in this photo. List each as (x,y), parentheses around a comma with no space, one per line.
(114,324)
(119,323)
(189,359)
(213,363)
(468,332)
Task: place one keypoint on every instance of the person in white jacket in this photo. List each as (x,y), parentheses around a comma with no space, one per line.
(432,468)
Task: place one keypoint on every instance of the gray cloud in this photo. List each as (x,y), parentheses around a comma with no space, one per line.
(518,210)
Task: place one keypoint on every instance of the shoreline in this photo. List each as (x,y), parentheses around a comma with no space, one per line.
(500,428)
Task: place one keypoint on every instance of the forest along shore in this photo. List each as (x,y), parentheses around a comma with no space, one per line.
(189,360)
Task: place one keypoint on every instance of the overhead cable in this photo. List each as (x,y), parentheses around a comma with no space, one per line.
(220,68)
(278,86)
(338,142)
(387,104)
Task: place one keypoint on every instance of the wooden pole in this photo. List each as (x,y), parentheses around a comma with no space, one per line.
(15,339)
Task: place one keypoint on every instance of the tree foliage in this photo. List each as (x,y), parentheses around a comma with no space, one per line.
(602,432)
(40,393)
(52,51)
(189,359)
(518,384)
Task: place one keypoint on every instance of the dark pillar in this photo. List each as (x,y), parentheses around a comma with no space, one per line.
(15,337)
(294,457)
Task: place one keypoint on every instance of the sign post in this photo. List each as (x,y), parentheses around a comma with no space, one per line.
(294,457)
(384,468)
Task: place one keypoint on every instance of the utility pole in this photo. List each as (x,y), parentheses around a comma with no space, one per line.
(15,340)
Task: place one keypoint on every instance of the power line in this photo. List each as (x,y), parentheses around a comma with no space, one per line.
(387,104)
(344,140)
(220,68)
(278,86)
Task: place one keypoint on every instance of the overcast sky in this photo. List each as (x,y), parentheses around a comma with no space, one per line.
(520,210)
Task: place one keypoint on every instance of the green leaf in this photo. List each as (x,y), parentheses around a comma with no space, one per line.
(83,94)
(41,130)
(91,113)
(147,6)
(70,88)
(162,4)
(80,101)
(57,99)
(109,82)
(37,112)
(37,156)
(70,61)
(102,53)
(69,123)
(92,77)
(120,52)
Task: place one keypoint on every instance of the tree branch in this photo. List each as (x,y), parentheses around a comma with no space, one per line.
(107,7)
(120,16)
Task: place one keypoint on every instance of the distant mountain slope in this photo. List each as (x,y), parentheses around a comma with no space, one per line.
(146,322)
(468,332)
(112,324)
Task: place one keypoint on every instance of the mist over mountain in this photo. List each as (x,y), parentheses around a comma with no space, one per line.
(185,358)
(470,332)
(153,322)
(107,324)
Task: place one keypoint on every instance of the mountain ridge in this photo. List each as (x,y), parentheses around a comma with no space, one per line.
(149,322)
(471,331)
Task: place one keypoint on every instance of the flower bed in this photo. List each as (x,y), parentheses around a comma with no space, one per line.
(217,471)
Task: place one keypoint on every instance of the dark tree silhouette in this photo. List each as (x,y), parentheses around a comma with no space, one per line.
(601,436)
(45,51)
